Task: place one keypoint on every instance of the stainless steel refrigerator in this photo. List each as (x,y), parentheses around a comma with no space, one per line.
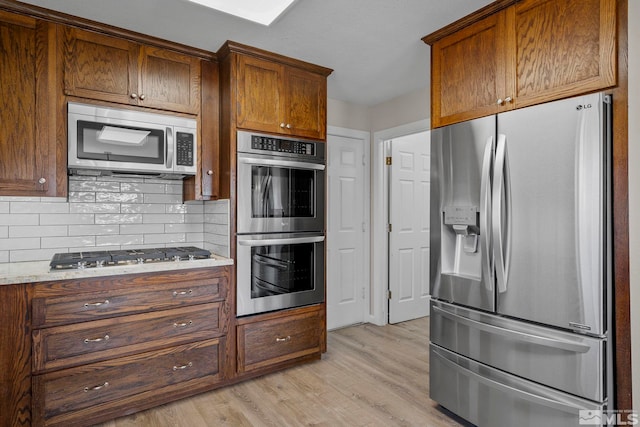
(520,265)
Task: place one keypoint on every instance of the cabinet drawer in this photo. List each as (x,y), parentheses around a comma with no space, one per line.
(277,340)
(98,384)
(71,345)
(79,307)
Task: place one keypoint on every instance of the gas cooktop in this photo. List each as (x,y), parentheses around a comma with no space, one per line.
(93,259)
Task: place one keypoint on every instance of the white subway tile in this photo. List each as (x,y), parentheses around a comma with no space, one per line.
(121,239)
(217,206)
(4,256)
(38,231)
(194,207)
(4,231)
(142,228)
(93,230)
(32,255)
(19,199)
(194,218)
(216,218)
(142,208)
(165,238)
(66,219)
(220,229)
(94,248)
(162,198)
(163,219)
(180,208)
(97,186)
(119,197)
(21,243)
(184,228)
(82,197)
(174,188)
(24,219)
(40,207)
(66,242)
(4,207)
(195,238)
(142,187)
(118,218)
(94,208)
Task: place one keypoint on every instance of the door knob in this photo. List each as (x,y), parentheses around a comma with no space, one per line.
(42,180)
(142,97)
(209,172)
(134,95)
(282,125)
(500,101)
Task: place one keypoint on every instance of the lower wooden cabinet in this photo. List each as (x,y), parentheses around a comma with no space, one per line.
(266,341)
(75,395)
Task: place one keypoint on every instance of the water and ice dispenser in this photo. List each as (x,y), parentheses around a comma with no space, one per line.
(460,233)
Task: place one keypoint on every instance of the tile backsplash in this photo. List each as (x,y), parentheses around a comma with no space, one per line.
(110,213)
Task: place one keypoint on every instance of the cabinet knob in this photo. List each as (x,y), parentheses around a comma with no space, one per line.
(142,96)
(42,180)
(209,172)
(288,126)
(282,125)
(500,101)
(508,99)
(134,95)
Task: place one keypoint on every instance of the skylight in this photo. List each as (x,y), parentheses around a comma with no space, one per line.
(261,11)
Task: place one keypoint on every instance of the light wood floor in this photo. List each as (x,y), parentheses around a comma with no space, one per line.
(370,376)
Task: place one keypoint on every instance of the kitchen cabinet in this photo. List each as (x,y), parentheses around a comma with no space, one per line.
(527,53)
(114,69)
(101,346)
(276,94)
(28,150)
(277,98)
(265,341)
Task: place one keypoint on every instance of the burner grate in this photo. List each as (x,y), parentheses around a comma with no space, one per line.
(79,260)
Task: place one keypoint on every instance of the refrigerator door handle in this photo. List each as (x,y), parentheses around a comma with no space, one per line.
(525,395)
(501,240)
(556,343)
(485,215)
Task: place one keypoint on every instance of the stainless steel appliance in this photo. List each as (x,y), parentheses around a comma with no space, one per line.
(520,265)
(107,141)
(280,184)
(98,259)
(280,223)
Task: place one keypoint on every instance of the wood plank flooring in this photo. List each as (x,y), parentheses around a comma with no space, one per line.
(370,376)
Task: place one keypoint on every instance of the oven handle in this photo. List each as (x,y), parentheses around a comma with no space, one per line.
(285,163)
(289,241)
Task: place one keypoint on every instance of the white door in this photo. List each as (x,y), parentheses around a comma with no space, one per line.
(409,235)
(346,225)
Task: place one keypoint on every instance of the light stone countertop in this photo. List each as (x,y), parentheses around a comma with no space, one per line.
(39,271)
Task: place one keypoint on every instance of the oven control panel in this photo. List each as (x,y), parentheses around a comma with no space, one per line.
(268,143)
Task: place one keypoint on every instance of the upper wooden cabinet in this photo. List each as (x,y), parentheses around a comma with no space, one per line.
(114,69)
(530,52)
(28,165)
(275,94)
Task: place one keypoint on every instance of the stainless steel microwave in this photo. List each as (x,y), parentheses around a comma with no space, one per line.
(108,141)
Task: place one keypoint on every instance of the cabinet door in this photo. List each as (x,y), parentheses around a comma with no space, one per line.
(27,145)
(259,92)
(306,110)
(169,80)
(470,71)
(100,67)
(564,48)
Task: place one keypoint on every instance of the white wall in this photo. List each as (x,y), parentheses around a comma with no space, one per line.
(634,193)
(346,115)
(408,108)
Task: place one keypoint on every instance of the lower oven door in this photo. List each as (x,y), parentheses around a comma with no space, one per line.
(278,271)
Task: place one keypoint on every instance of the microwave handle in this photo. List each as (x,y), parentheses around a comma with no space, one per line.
(168,149)
(290,241)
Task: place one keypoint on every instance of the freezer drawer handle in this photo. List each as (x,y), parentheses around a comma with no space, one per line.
(529,397)
(522,336)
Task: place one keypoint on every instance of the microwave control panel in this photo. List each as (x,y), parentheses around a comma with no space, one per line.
(267,143)
(184,149)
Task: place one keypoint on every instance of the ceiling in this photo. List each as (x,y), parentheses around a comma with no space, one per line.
(373,46)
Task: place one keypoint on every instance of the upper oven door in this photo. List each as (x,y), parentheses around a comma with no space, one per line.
(279,195)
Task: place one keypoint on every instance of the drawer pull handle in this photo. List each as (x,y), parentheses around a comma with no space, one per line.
(89,340)
(188,365)
(96,304)
(182,293)
(97,387)
(285,339)
(183,324)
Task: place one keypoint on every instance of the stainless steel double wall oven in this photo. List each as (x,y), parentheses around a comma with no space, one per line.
(280,222)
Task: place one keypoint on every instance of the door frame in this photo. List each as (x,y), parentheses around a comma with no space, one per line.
(379,306)
(366,200)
